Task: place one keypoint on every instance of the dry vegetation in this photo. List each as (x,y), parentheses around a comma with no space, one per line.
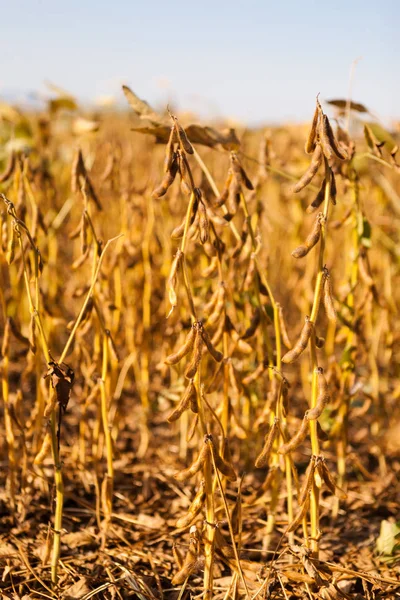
(199,357)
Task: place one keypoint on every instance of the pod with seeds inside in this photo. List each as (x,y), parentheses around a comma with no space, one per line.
(328,298)
(184,403)
(12,242)
(194,508)
(218,307)
(9,169)
(217,356)
(333,188)
(178,231)
(333,144)
(172,279)
(296,440)
(167,180)
(254,323)
(255,374)
(192,367)
(184,171)
(194,407)
(223,197)
(196,466)
(285,396)
(17,333)
(262,458)
(233,199)
(312,239)
(191,564)
(44,449)
(328,479)
(183,139)
(308,481)
(240,173)
(83,234)
(32,334)
(169,150)
(301,343)
(311,171)
(323,137)
(322,398)
(282,326)
(193,428)
(221,464)
(312,136)
(175,357)
(364,270)
(316,203)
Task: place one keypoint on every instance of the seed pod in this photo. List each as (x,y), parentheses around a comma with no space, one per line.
(262,458)
(255,375)
(312,136)
(333,188)
(211,269)
(75,171)
(203,223)
(183,139)
(194,508)
(316,203)
(167,180)
(240,244)
(175,357)
(322,399)
(254,323)
(12,242)
(194,407)
(196,466)
(282,326)
(364,270)
(311,240)
(324,138)
(299,517)
(328,479)
(296,439)
(44,450)
(192,429)
(169,150)
(222,465)
(233,200)
(301,343)
(223,197)
(319,342)
(328,299)
(333,144)
(178,231)
(16,332)
(190,565)
(192,367)
(184,171)
(172,280)
(240,173)
(183,404)
(222,546)
(311,171)
(308,481)
(209,307)
(9,169)
(219,306)
(217,356)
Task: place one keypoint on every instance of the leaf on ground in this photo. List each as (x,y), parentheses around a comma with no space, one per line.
(388,541)
(76,591)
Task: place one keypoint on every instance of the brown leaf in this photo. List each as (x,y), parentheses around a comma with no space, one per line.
(353,105)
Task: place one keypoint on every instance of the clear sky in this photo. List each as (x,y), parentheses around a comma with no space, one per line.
(255,60)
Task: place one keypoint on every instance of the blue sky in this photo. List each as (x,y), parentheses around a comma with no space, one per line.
(257,61)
